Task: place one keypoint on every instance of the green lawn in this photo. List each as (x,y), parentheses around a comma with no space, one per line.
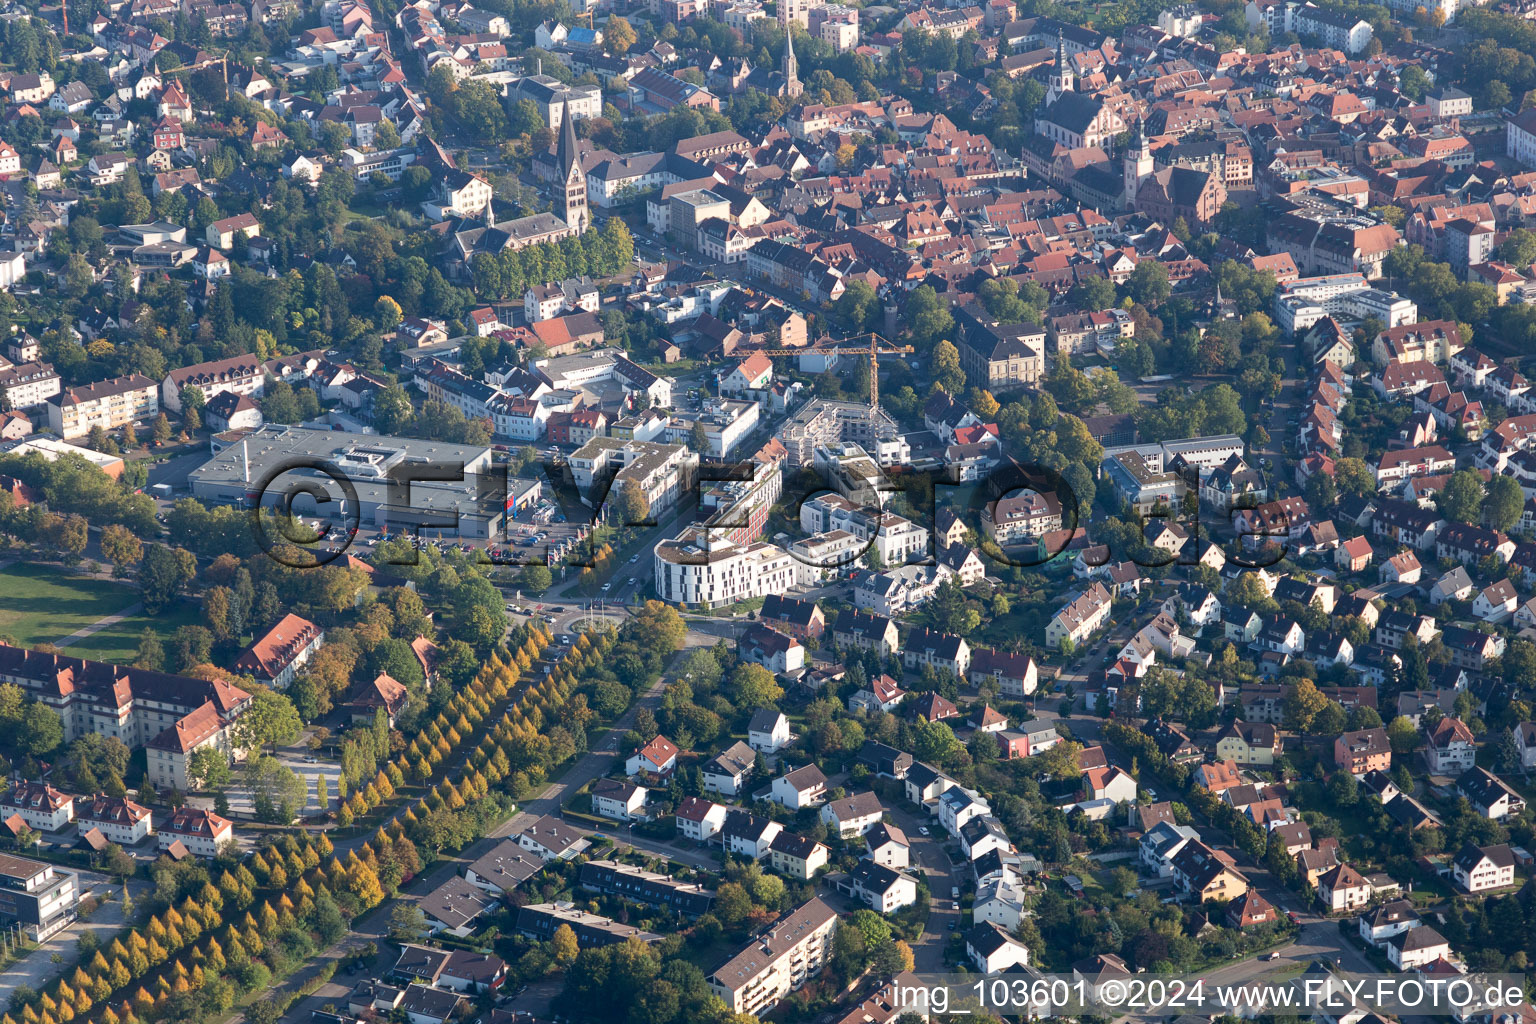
(43,605)
(120,642)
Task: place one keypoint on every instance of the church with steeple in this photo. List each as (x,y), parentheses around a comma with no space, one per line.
(1069,117)
(1063,79)
(1137,162)
(791,70)
(571,215)
(573,179)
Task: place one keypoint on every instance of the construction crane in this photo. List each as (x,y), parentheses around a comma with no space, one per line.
(876,348)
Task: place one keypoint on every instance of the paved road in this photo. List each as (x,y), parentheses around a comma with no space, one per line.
(927,854)
(37,968)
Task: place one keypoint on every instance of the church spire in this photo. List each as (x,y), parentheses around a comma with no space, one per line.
(573,178)
(792,86)
(567,152)
(1061,76)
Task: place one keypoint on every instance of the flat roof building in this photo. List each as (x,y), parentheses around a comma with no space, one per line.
(40,897)
(282,458)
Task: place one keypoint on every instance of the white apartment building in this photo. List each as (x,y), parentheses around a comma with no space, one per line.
(201,832)
(1348,298)
(1478,869)
(29,385)
(703,566)
(726,422)
(896,540)
(40,805)
(243,375)
(664,472)
(118,819)
(137,706)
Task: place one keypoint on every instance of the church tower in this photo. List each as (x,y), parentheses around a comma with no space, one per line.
(792,86)
(568,156)
(1138,163)
(1062,78)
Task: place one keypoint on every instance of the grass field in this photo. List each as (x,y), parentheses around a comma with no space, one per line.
(42,605)
(120,641)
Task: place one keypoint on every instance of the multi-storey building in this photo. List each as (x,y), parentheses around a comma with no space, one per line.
(276,656)
(999,356)
(703,566)
(778,962)
(108,404)
(136,706)
(40,897)
(820,422)
(117,818)
(201,832)
(649,887)
(40,805)
(663,472)
(29,386)
(1347,298)
(896,540)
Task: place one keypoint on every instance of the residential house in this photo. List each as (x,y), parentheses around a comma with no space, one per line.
(699,819)
(797,856)
(1343,888)
(1364,750)
(1417,948)
(727,770)
(805,786)
(768,730)
(885,890)
(993,950)
(277,655)
(1450,747)
(658,757)
(747,834)
(1482,868)
(853,815)
(1489,795)
(1250,743)
(618,799)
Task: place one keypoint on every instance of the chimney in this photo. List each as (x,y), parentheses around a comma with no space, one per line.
(245,459)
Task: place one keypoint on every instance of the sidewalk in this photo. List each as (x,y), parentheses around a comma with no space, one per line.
(101,624)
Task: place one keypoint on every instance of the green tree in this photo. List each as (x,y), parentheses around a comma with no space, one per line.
(1503,502)
(269,720)
(753,686)
(634,509)
(535,579)
(858,308)
(946,368)
(618,36)
(927,316)
(277,794)
(1518,248)
(1303,703)
(1461,499)
(208,768)
(163,573)
(392,411)
(1354,477)
(1148,284)
(1403,735)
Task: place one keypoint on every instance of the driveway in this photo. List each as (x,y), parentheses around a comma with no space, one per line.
(239,795)
(927,855)
(37,968)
